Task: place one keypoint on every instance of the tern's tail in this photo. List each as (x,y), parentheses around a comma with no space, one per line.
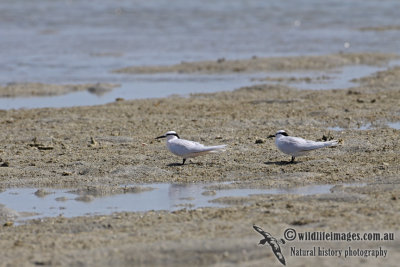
(324,144)
(331,143)
(214,149)
(315,145)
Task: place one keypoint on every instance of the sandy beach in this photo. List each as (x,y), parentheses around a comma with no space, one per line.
(94,149)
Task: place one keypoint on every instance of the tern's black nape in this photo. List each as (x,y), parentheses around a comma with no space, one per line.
(168,134)
(282,132)
(172,134)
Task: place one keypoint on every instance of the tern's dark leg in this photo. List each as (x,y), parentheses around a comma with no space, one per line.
(183,163)
(292,161)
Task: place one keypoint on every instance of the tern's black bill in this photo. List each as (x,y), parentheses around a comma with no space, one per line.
(271,136)
(162,136)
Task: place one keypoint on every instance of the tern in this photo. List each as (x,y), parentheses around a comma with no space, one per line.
(296,146)
(187,149)
(273,242)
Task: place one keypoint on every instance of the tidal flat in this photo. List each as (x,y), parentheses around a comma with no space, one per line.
(103,147)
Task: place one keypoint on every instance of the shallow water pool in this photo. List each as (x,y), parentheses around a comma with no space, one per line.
(170,197)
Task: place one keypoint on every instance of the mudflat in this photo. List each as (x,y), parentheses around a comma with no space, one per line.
(97,148)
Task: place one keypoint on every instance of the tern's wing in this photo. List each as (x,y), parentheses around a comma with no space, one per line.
(184,147)
(301,144)
(194,147)
(311,145)
(188,149)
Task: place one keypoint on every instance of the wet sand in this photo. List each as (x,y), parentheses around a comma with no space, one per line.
(40,89)
(104,146)
(256,64)
(381,28)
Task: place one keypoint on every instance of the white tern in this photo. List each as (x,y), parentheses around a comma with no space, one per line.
(187,149)
(296,146)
